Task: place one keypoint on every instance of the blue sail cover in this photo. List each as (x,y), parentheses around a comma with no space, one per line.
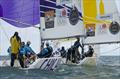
(20,13)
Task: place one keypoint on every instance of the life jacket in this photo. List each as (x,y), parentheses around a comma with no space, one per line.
(50,49)
(22,51)
(15,45)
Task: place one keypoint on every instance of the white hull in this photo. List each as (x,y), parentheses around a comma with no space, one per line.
(88,61)
(41,63)
(46,63)
(51,63)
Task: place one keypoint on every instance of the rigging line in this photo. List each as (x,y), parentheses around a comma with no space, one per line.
(4,31)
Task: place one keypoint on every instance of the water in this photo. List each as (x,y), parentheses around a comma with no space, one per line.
(109,60)
(66,72)
(63,72)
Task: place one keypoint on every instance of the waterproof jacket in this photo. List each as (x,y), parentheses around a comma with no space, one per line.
(15,44)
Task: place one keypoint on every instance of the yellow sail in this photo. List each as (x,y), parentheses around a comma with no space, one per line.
(90,12)
(101,7)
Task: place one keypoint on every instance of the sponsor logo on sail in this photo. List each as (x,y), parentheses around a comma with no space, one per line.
(90,29)
(61,15)
(74,16)
(114,28)
(49,19)
(102,29)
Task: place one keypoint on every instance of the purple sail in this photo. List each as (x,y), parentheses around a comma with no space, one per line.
(1,11)
(20,13)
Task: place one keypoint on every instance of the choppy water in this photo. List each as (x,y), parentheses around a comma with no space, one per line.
(65,72)
(109,60)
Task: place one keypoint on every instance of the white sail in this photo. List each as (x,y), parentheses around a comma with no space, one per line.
(26,34)
(62,27)
(102,31)
(62,32)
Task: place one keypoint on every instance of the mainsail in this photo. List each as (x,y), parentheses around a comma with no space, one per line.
(103,25)
(98,17)
(61,19)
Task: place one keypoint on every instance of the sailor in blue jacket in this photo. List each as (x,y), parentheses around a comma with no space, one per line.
(21,55)
(29,51)
(46,52)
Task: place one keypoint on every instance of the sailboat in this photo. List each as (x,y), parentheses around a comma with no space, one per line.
(94,15)
(67,19)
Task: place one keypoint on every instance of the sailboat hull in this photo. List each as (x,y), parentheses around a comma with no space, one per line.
(41,63)
(46,63)
(88,61)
